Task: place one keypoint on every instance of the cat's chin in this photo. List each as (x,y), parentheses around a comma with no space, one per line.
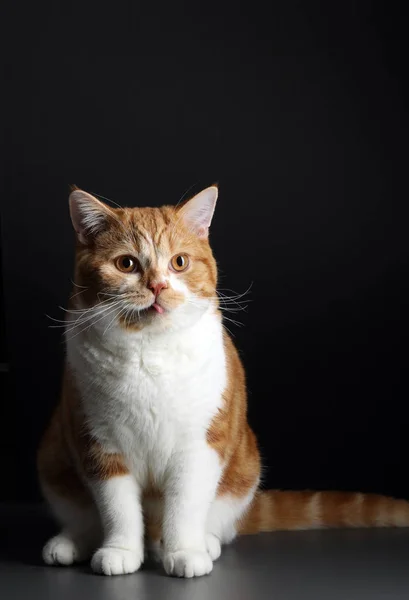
(155,316)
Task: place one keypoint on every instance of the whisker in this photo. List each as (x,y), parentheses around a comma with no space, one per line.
(232,300)
(56,321)
(237,323)
(108,199)
(233,310)
(82,313)
(91,308)
(111,322)
(234,295)
(226,308)
(78,293)
(229,330)
(185,193)
(76,284)
(106,312)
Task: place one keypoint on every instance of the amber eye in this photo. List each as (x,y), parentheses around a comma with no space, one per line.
(180,262)
(126,264)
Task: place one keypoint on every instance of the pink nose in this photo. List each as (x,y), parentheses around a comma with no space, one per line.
(157,287)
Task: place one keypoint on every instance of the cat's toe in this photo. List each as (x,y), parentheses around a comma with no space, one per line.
(60,550)
(188,563)
(116,561)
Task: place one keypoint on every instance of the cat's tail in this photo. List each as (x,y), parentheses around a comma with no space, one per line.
(280,510)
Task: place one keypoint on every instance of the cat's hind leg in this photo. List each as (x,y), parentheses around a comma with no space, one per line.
(70,502)
(223,520)
(80,533)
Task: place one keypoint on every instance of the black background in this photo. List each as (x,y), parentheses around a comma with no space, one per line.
(299,111)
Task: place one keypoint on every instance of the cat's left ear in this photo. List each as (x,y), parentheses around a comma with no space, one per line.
(89,216)
(197,212)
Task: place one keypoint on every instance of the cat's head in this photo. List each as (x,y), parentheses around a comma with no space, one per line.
(143,268)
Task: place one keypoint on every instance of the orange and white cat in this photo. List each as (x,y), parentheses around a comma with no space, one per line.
(150,441)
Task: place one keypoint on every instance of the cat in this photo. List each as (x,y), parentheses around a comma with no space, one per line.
(149,447)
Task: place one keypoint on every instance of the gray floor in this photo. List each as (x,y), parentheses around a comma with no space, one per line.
(327,565)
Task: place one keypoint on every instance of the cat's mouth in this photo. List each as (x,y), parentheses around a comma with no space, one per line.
(157,307)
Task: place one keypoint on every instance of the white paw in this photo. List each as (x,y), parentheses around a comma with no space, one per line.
(116,561)
(213,546)
(60,550)
(188,563)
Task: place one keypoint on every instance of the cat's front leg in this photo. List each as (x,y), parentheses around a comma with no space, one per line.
(190,490)
(119,503)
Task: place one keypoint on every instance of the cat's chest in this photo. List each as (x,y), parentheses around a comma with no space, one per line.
(152,393)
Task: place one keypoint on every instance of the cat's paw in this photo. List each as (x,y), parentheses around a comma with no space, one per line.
(116,561)
(187,563)
(62,550)
(213,546)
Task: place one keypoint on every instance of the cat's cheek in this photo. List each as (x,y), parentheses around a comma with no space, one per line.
(179,285)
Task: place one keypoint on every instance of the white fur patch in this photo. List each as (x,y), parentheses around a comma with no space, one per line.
(118,501)
(80,535)
(225,513)
(61,550)
(115,561)
(151,397)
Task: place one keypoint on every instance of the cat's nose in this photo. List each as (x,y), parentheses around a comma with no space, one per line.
(157,287)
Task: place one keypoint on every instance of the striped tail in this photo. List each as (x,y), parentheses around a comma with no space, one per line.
(280,510)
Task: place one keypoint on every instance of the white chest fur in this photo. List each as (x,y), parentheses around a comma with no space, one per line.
(150,396)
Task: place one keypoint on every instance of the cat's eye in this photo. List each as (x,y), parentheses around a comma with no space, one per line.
(179,262)
(126,264)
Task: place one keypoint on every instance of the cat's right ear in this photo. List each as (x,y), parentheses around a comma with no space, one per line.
(89,216)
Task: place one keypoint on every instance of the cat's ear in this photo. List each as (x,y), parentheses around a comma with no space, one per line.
(197,212)
(89,216)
